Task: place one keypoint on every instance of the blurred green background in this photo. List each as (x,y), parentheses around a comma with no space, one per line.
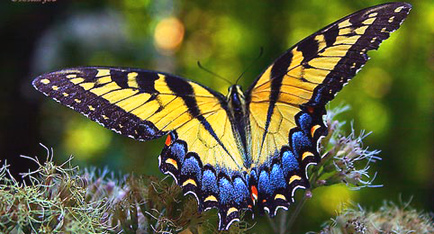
(392,96)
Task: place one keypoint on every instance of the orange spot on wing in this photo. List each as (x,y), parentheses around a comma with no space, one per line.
(168,140)
(172,162)
(313,130)
(310,109)
(254,194)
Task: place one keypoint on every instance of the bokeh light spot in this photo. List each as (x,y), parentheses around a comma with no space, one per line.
(85,138)
(374,116)
(335,198)
(229,35)
(376,82)
(168,34)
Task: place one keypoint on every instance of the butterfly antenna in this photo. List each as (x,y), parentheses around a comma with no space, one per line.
(261,51)
(212,73)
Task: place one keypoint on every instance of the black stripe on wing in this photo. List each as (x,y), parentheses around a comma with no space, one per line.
(184,90)
(387,18)
(59,87)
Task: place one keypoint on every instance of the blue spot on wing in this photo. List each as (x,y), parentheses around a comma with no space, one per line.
(300,142)
(209,182)
(226,191)
(264,185)
(146,129)
(276,177)
(289,162)
(178,150)
(191,167)
(318,98)
(241,192)
(305,121)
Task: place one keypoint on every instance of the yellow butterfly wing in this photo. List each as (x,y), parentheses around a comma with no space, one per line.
(146,105)
(286,103)
(313,71)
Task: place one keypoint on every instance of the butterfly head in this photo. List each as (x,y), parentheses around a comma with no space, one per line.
(236,98)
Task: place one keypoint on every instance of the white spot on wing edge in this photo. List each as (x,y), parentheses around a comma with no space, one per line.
(220,218)
(195,195)
(230,223)
(266,209)
(295,189)
(399,9)
(318,143)
(307,166)
(373,14)
(170,173)
(391,19)
(279,207)
(45,81)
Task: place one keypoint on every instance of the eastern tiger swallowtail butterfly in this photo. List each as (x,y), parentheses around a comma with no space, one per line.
(249,148)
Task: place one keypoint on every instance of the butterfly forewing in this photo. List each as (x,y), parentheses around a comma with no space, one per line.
(313,71)
(146,105)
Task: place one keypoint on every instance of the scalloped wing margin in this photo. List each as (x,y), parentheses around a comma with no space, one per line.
(270,186)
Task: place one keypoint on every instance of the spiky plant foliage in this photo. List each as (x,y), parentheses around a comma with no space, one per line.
(63,199)
(344,158)
(390,218)
(53,200)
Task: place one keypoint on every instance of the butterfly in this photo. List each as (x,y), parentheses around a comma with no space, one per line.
(249,148)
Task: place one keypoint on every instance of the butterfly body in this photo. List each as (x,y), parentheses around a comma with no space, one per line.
(238,111)
(249,148)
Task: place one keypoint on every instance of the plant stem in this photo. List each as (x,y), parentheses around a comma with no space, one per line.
(294,214)
(282,226)
(272,224)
